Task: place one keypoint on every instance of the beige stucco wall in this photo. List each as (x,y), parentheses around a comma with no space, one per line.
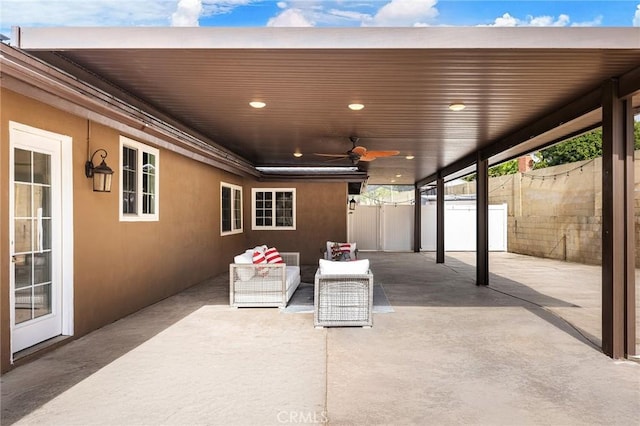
(121,267)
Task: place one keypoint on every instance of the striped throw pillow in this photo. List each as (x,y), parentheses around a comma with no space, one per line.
(273,256)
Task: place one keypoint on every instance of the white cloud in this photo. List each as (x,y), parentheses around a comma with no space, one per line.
(402,13)
(505,20)
(596,22)
(187,13)
(290,18)
(563,20)
(636,17)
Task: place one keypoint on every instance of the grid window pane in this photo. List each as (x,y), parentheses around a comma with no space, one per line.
(23,305)
(22,200)
(22,166)
(263,213)
(284,209)
(237,209)
(41,300)
(226,209)
(129,180)
(24,266)
(41,168)
(148,182)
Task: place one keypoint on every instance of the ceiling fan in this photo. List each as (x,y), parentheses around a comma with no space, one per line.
(359,153)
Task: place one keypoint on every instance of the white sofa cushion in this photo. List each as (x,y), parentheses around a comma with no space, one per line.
(245,274)
(355,267)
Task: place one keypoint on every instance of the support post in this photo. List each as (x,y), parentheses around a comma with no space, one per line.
(482,221)
(417,220)
(618,245)
(440,220)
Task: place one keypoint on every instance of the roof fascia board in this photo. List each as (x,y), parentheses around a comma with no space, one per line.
(503,38)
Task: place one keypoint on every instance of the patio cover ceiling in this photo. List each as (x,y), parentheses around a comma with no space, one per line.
(522,87)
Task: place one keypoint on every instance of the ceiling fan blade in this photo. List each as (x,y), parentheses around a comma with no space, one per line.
(359,150)
(332,155)
(382,153)
(367,157)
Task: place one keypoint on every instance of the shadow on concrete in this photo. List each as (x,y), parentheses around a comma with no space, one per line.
(33,384)
(414,279)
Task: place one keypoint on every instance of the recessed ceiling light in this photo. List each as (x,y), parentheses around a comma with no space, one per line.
(297,154)
(457,106)
(410,157)
(356,107)
(257,104)
(393,181)
(398,175)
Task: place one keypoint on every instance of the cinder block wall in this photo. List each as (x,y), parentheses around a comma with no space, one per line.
(556,212)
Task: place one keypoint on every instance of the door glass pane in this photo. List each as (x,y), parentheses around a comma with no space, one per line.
(42,268)
(23,264)
(32,235)
(44,235)
(23,305)
(41,300)
(23,235)
(22,200)
(41,199)
(41,168)
(22,165)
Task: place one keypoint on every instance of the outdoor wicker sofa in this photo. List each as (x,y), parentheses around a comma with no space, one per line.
(343,294)
(264,285)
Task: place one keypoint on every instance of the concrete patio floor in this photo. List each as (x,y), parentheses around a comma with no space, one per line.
(522,351)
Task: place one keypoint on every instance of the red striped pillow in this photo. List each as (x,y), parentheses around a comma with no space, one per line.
(259,258)
(345,247)
(273,256)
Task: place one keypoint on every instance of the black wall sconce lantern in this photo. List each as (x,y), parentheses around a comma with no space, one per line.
(352,204)
(101,174)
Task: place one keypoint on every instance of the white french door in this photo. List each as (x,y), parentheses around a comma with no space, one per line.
(39,236)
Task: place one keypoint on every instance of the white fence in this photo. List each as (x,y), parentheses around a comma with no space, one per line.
(390,228)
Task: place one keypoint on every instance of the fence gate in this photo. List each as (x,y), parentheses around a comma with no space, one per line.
(386,228)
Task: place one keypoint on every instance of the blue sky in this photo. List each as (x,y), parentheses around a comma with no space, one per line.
(317,13)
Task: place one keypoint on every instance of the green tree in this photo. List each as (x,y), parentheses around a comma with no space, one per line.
(579,148)
(583,147)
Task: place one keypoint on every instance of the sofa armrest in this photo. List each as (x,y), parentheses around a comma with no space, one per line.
(291,258)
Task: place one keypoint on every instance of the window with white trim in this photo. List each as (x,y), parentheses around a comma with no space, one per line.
(230,209)
(273,208)
(139,181)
